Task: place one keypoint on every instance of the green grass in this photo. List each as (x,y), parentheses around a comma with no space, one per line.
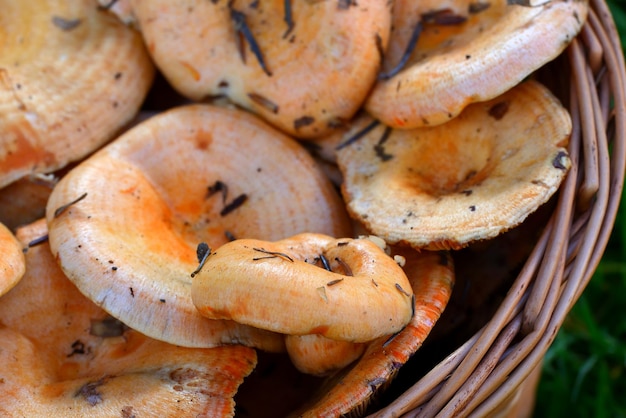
(618,8)
(584,372)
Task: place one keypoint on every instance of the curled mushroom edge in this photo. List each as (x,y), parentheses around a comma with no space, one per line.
(343,289)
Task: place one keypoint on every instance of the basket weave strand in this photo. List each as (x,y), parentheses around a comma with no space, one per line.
(484,376)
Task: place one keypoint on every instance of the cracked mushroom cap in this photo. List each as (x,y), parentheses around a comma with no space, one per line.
(343,289)
(466,52)
(11,260)
(63,356)
(303,77)
(70,77)
(193,174)
(471,178)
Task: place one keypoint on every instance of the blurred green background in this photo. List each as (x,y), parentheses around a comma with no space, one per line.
(584,372)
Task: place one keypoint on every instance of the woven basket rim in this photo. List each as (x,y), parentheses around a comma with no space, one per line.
(483,376)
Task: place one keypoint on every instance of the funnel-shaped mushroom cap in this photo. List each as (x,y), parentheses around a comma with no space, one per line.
(471,178)
(343,289)
(70,77)
(303,77)
(477,59)
(193,174)
(11,260)
(57,362)
(154,380)
(432,277)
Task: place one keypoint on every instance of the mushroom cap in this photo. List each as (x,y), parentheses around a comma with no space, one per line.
(478,60)
(192,174)
(120,8)
(70,77)
(319,356)
(471,178)
(12,265)
(432,277)
(54,365)
(154,380)
(323,150)
(406,14)
(321,71)
(279,286)
(24,201)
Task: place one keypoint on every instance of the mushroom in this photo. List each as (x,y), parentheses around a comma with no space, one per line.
(54,364)
(304,66)
(320,356)
(194,174)
(323,150)
(70,77)
(11,260)
(120,8)
(342,289)
(469,179)
(432,277)
(153,379)
(24,201)
(466,57)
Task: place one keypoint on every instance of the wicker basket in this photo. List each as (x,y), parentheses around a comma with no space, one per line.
(495,372)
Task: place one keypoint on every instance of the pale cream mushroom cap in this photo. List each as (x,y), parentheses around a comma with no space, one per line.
(455,65)
(130,244)
(471,178)
(12,265)
(70,77)
(321,71)
(55,363)
(283,286)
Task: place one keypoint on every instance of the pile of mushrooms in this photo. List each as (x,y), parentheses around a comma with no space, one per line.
(62,355)
(303,195)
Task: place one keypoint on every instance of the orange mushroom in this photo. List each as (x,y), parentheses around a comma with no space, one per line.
(11,260)
(304,66)
(349,392)
(471,178)
(320,356)
(120,8)
(63,356)
(70,77)
(192,174)
(343,289)
(466,52)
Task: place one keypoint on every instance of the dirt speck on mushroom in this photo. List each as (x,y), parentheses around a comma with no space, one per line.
(89,391)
